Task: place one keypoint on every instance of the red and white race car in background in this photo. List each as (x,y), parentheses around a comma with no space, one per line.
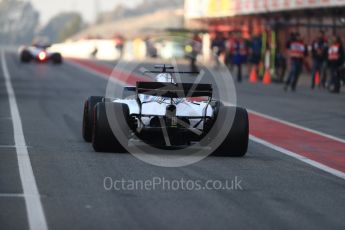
(39,53)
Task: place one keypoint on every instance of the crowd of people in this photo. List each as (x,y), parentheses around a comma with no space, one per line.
(327,61)
(327,58)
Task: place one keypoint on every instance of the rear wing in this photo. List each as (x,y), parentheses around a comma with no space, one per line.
(172,90)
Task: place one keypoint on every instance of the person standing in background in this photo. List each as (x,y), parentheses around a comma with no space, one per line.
(228,50)
(119,44)
(196,46)
(240,52)
(297,51)
(151,50)
(280,65)
(287,48)
(335,61)
(255,47)
(218,48)
(319,51)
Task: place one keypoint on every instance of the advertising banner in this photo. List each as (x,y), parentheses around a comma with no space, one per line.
(226,8)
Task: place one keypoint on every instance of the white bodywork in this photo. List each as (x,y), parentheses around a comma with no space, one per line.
(155,105)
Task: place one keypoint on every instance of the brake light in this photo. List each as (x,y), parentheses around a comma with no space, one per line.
(42,56)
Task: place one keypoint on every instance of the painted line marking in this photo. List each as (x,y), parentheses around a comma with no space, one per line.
(88,70)
(316,147)
(120,76)
(5,118)
(101,75)
(296,126)
(34,209)
(305,159)
(15,195)
(299,157)
(14,146)
(11,195)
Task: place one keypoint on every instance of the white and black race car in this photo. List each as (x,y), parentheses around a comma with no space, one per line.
(162,109)
(39,53)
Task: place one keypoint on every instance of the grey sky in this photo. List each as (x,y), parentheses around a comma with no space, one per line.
(49,8)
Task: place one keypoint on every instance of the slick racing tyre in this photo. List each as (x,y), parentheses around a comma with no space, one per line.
(88,116)
(235,143)
(56,58)
(103,139)
(25,56)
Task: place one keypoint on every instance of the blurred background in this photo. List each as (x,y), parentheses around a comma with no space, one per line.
(133,22)
(97,24)
(142,29)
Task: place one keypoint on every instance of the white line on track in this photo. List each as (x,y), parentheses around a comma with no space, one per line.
(297,126)
(11,195)
(299,157)
(34,209)
(13,146)
(15,195)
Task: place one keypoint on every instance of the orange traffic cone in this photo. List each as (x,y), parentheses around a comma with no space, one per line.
(317,78)
(253,78)
(267,77)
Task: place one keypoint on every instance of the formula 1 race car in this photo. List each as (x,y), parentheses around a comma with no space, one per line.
(164,108)
(39,53)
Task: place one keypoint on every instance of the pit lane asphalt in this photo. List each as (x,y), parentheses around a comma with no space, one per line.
(278,191)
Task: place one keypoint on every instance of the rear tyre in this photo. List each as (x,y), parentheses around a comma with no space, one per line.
(236,142)
(103,139)
(25,56)
(56,58)
(88,116)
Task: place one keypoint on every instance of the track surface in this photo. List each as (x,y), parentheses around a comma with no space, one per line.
(278,191)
